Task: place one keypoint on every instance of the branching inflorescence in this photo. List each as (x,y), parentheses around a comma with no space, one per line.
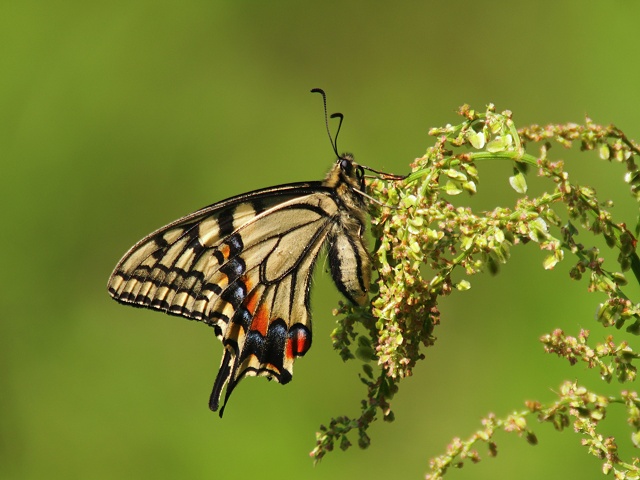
(422,239)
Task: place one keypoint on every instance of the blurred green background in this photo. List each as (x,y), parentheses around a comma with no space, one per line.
(118,117)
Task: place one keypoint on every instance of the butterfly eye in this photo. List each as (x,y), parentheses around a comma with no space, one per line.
(346,166)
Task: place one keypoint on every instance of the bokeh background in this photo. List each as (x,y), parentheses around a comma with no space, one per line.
(118,117)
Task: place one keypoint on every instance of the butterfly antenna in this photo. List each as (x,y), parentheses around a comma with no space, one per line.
(326,120)
(335,140)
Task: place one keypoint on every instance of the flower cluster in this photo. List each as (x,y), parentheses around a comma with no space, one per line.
(423,239)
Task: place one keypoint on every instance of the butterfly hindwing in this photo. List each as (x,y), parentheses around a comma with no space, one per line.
(244,266)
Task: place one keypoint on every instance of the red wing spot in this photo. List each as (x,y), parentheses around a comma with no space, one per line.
(298,343)
(252,299)
(260,322)
(224,250)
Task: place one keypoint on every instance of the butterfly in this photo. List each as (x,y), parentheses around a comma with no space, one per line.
(244,267)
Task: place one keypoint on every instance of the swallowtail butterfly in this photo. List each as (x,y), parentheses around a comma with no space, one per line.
(244,265)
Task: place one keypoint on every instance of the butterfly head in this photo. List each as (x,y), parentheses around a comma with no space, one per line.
(350,172)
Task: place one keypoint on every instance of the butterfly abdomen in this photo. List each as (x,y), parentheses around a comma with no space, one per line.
(350,266)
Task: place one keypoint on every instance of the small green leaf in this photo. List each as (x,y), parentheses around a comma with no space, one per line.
(632,178)
(417,221)
(413,229)
(409,201)
(518,183)
(476,139)
(499,144)
(466,243)
(538,230)
(469,187)
(455,174)
(619,278)
(550,262)
(452,188)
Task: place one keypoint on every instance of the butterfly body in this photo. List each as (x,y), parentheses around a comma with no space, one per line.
(244,266)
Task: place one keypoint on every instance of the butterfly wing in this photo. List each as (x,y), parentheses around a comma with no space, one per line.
(243,266)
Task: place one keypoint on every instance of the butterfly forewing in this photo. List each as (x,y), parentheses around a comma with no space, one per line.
(244,267)
(174,253)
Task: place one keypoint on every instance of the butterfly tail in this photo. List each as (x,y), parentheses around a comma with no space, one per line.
(221,380)
(271,356)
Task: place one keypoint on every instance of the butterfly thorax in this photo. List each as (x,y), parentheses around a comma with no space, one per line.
(346,178)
